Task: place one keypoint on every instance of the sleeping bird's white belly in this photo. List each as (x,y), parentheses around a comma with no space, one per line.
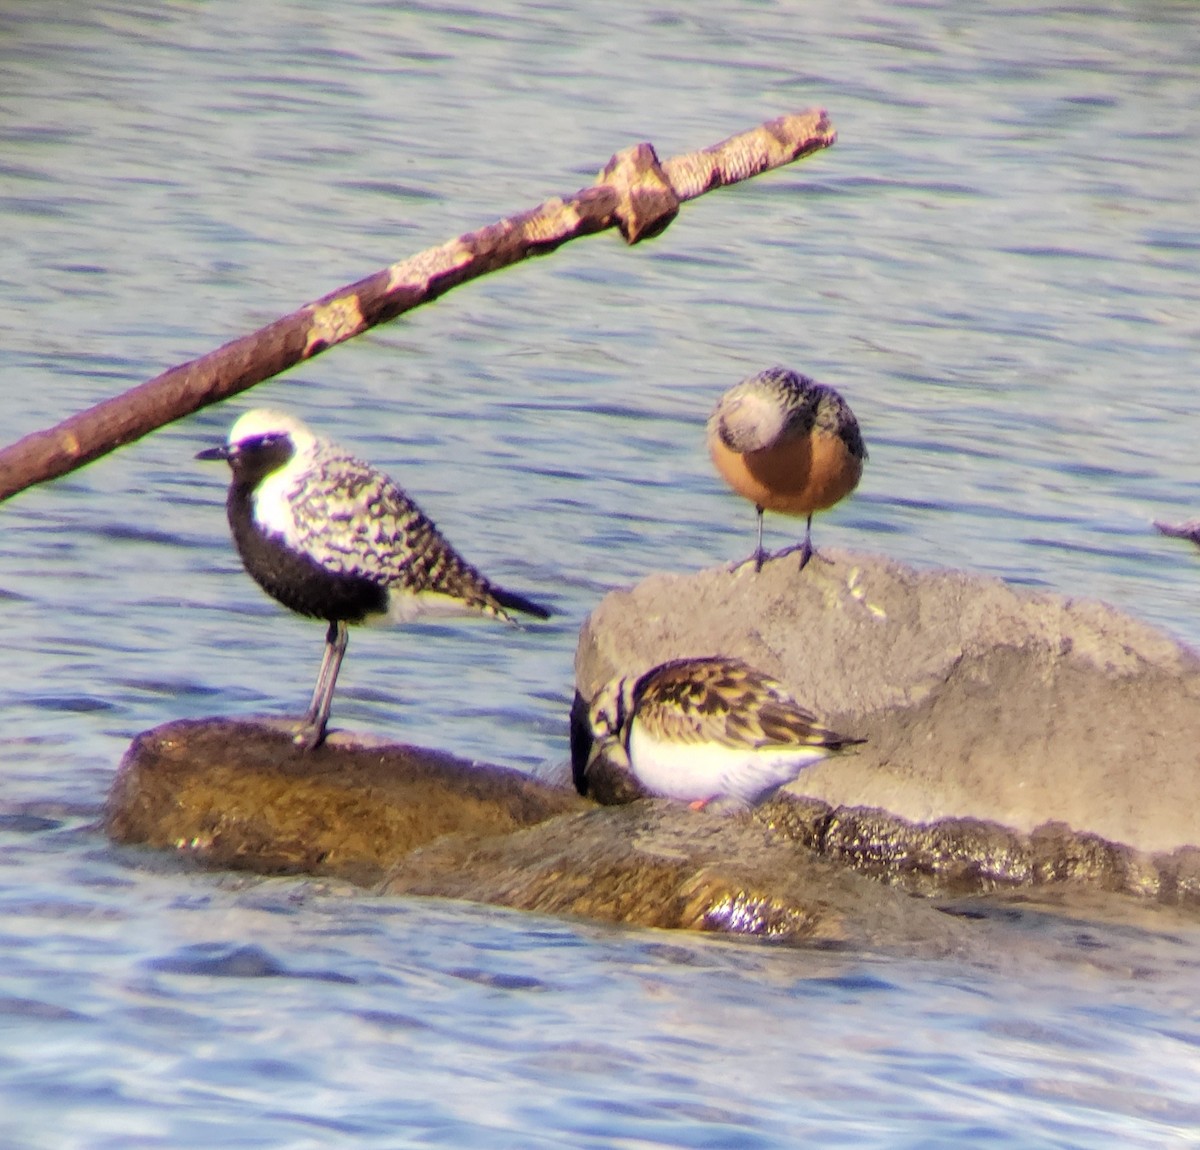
(698,771)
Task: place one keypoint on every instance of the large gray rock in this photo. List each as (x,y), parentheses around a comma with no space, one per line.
(978,700)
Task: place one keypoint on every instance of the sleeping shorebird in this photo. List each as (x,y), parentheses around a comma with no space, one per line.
(787,444)
(332,538)
(698,730)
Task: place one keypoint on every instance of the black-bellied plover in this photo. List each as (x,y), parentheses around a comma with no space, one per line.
(787,444)
(701,729)
(331,537)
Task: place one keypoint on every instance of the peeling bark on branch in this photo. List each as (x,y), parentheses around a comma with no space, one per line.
(634,193)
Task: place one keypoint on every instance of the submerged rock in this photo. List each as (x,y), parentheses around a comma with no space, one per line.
(239,795)
(662,864)
(978,700)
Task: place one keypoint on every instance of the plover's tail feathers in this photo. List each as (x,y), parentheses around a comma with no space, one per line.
(511,601)
(439,570)
(451,584)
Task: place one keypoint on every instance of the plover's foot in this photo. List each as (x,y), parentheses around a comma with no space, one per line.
(308,735)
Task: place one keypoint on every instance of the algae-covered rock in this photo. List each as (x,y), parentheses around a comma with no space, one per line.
(972,856)
(978,700)
(241,794)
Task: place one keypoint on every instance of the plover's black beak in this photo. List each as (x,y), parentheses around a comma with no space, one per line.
(583,743)
(209,453)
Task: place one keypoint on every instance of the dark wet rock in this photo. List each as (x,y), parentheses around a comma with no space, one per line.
(954,857)
(979,701)
(239,794)
(949,857)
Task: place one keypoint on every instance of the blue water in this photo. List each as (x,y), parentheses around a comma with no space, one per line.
(998,265)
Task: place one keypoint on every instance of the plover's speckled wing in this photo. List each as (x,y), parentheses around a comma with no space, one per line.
(725,702)
(353,519)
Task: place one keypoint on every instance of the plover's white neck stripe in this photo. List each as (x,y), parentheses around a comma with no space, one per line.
(274,496)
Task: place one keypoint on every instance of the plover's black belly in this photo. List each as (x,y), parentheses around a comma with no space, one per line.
(298,582)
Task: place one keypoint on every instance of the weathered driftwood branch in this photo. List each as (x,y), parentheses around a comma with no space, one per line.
(634,193)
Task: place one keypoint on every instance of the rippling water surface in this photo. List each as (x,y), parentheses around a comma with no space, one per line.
(998,264)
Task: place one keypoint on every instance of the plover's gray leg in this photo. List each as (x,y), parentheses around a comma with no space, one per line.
(314,705)
(312,727)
